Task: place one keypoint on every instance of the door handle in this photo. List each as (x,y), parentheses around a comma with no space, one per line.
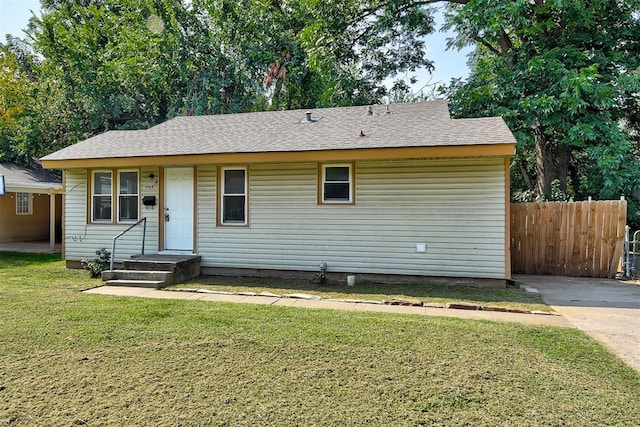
(166,217)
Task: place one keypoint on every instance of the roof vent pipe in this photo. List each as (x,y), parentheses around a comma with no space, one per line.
(388,110)
(370,110)
(309,119)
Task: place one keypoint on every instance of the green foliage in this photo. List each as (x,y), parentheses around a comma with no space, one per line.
(563,75)
(12,88)
(92,66)
(98,264)
(13,101)
(555,195)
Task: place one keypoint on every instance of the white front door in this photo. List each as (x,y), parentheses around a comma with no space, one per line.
(178,209)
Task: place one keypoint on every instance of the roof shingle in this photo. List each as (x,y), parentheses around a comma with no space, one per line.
(20,176)
(423,124)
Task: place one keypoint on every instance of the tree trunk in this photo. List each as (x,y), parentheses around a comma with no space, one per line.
(552,163)
(525,176)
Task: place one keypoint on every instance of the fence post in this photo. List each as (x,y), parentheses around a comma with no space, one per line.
(627,266)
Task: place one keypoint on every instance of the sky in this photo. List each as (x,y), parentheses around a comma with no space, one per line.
(14,15)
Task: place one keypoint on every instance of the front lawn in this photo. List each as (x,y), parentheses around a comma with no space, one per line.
(70,358)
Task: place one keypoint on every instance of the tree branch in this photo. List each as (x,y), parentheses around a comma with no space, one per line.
(504,41)
(411,3)
(486,44)
(525,176)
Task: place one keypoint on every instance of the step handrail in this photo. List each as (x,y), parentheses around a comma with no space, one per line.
(144,234)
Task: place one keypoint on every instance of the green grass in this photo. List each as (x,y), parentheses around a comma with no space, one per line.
(437,293)
(70,358)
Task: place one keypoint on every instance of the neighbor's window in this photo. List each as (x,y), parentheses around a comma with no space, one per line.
(337,183)
(101,195)
(128,196)
(234,196)
(23,204)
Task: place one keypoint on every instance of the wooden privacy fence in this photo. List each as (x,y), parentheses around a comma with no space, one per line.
(581,239)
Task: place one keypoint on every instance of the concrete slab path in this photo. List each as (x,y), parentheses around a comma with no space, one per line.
(532,319)
(36,247)
(606,309)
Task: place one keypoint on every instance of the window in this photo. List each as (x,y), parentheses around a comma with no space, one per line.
(234,196)
(337,184)
(102,196)
(23,204)
(128,196)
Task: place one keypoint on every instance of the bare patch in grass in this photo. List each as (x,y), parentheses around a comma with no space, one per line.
(436,293)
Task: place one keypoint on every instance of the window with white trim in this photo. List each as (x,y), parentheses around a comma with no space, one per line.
(101,196)
(24,204)
(337,184)
(125,190)
(233,199)
(128,195)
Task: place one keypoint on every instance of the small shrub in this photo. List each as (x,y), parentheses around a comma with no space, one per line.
(319,279)
(99,264)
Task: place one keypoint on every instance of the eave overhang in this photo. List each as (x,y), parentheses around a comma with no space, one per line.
(429,152)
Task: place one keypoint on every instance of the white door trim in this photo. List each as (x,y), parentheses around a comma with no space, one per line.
(179,210)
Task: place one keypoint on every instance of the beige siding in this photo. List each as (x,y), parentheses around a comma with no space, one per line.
(456,207)
(206,207)
(82,239)
(22,228)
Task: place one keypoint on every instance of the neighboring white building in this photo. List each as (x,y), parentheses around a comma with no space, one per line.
(384,190)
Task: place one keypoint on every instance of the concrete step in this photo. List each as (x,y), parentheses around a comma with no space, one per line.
(156,270)
(156,284)
(148,265)
(184,267)
(158,262)
(164,276)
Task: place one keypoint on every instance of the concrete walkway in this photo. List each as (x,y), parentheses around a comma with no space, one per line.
(37,247)
(608,310)
(533,319)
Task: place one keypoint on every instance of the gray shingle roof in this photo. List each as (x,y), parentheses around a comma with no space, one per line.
(406,125)
(20,176)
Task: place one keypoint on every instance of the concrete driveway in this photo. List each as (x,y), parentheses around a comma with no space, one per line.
(608,310)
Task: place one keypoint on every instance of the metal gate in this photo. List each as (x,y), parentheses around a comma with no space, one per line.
(631,258)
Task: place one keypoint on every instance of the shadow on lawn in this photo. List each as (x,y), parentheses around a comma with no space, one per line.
(370,290)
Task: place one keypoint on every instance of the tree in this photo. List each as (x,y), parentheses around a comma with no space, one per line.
(564,76)
(561,73)
(12,88)
(89,66)
(95,65)
(228,56)
(12,100)
(106,60)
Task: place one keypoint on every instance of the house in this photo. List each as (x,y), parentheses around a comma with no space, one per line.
(388,191)
(30,204)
